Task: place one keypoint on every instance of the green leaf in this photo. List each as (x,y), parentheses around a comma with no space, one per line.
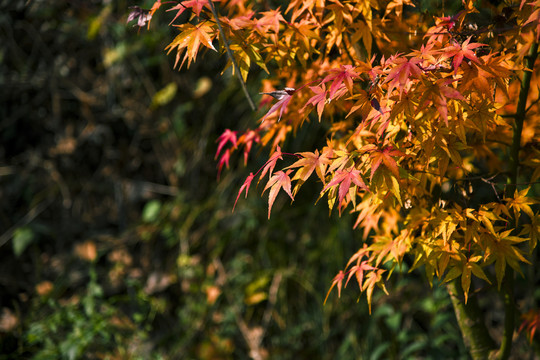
(151,211)
(22,237)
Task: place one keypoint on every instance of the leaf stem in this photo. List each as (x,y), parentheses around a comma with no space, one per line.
(230,55)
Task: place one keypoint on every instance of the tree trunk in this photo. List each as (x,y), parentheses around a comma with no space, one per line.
(471,322)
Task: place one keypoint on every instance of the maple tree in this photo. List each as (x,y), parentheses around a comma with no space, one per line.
(432,132)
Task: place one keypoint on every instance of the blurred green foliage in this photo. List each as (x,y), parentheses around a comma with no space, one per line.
(104,144)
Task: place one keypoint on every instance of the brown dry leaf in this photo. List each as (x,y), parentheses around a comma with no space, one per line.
(86,251)
(44,288)
(8,320)
(212,293)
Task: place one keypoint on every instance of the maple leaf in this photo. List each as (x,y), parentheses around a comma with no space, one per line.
(531,321)
(438,92)
(500,248)
(358,272)
(308,163)
(402,72)
(299,6)
(397,7)
(245,186)
(344,178)
(458,52)
(190,38)
(143,16)
(248,139)
(239,22)
(271,163)
(369,216)
(338,280)
(284,97)
(534,18)
(224,160)
(470,267)
(319,99)
(372,279)
(385,156)
(363,104)
(520,202)
(345,74)
(384,245)
(279,181)
(195,5)
(359,255)
(533,231)
(269,22)
(227,136)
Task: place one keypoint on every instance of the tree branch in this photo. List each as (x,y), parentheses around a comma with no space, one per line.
(471,322)
(231,57)
(507,288)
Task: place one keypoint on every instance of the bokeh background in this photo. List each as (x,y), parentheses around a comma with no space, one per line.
(118,240)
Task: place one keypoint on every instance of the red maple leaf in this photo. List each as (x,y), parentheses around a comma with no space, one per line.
(279,181)
(458,52)
(195,5)
(401,73)
(248,139)
(271,163)
(345,74)
(227,135)
(245,185)
(344,178)
(224,160)
(284,97)
(319,99)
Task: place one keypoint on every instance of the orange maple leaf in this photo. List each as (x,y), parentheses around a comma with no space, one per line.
(385,156)
(310,162)
(338,280)
(279,181)
(190,38)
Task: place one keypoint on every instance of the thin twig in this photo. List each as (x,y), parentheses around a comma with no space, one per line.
(27,219)
(230,55)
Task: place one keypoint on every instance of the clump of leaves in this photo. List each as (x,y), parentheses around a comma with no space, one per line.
(416,131)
